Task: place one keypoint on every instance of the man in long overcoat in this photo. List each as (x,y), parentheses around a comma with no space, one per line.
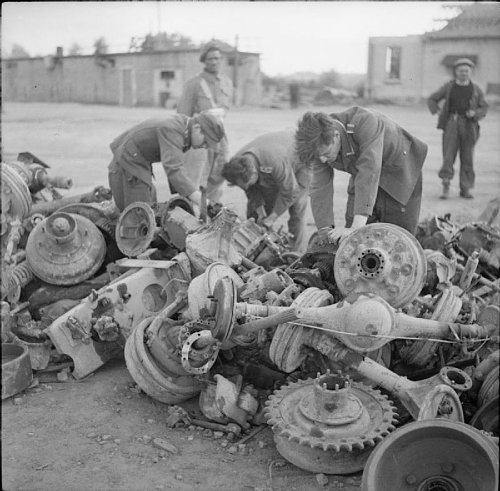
(269,172)
(384,160)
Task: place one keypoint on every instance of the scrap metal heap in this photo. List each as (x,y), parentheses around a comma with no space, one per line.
(390,328)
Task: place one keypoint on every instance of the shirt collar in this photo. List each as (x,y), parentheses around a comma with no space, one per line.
(462,84)
(211,76)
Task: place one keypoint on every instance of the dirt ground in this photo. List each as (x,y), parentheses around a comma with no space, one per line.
(96,433)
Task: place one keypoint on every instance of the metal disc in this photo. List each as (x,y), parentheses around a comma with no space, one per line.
(433,455)
(287,350)
(226,295)
(383,259)
(135,229)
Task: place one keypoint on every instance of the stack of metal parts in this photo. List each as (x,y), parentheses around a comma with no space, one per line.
(221,309)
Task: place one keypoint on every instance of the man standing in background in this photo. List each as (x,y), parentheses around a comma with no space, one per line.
(210,91)
(463,107)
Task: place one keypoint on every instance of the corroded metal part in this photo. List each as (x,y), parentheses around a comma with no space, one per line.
(489,387)
(150,376)
(16,197)
(259,282)
(486,417)
(97,195)
(421,353)
(433,455)
(188,346)
(16,369)
(176,224)
(65,249)
(213,243)
(135,229)
(105,217)
(381,258)
(202,287)
(225,296)
(287,348)
(329,424)
(129,299)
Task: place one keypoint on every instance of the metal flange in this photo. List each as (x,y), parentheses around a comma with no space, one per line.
(384,259)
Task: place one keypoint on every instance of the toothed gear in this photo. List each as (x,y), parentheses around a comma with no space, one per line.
(329,424)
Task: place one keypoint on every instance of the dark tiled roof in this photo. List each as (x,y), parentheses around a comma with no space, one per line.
(477,20)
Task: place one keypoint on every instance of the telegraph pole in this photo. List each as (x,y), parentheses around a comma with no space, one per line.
(235,69)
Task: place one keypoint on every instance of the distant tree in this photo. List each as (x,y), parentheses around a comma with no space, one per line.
(163,41)
(100,46)
(75,49)
(18,52)
(329,78)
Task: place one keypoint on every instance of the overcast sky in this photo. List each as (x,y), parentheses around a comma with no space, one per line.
(291,36)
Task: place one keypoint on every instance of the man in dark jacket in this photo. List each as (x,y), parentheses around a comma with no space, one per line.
(463,107)
(268,170)
(384,160)
(159,140)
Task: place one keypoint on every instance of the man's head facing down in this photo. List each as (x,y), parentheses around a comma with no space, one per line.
(317,138)
(241,171)
(207,130)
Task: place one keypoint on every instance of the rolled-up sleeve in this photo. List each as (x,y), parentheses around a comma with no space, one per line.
(321,193)
(370,139)
(171,144)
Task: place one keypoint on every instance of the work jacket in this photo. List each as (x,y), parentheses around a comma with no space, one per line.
(280,171)
(477,103)
(156,140)
(196,99)
(377,152)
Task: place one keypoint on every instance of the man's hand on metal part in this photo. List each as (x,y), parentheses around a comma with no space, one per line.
(336,235)
(269,220)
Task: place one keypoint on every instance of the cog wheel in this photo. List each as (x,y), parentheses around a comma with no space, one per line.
(329,424)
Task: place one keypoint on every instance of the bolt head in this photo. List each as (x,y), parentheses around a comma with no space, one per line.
(411,479)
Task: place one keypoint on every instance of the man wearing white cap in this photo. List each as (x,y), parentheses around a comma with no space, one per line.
(463,107)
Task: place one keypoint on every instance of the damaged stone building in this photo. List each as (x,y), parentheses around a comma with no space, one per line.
(127,79)
(410,68)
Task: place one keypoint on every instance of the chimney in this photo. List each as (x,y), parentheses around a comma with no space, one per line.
(59,52)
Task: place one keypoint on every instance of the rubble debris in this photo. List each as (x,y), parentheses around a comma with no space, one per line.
(162,444)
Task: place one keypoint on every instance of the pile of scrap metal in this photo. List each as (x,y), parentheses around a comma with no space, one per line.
(337,349)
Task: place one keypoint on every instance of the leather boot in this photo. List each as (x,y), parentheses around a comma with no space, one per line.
(446,189)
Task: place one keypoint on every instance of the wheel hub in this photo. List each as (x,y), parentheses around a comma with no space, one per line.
(329,424)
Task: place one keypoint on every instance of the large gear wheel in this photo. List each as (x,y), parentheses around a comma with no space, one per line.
(384,259)
(329,424)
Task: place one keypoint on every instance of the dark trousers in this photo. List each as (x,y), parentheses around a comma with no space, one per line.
(460,135)
(296,222)
(388,210)
(127,189)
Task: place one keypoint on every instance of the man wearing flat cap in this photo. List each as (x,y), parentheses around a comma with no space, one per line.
(210,91)
(165,140)
(385,162)
(463,107)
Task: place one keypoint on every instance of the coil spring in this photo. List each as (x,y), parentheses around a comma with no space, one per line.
(20,275)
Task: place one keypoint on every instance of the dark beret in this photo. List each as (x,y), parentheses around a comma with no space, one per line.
(209,47)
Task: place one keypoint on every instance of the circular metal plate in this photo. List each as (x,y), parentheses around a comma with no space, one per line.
(433,455)
(135,229)
(383,259)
